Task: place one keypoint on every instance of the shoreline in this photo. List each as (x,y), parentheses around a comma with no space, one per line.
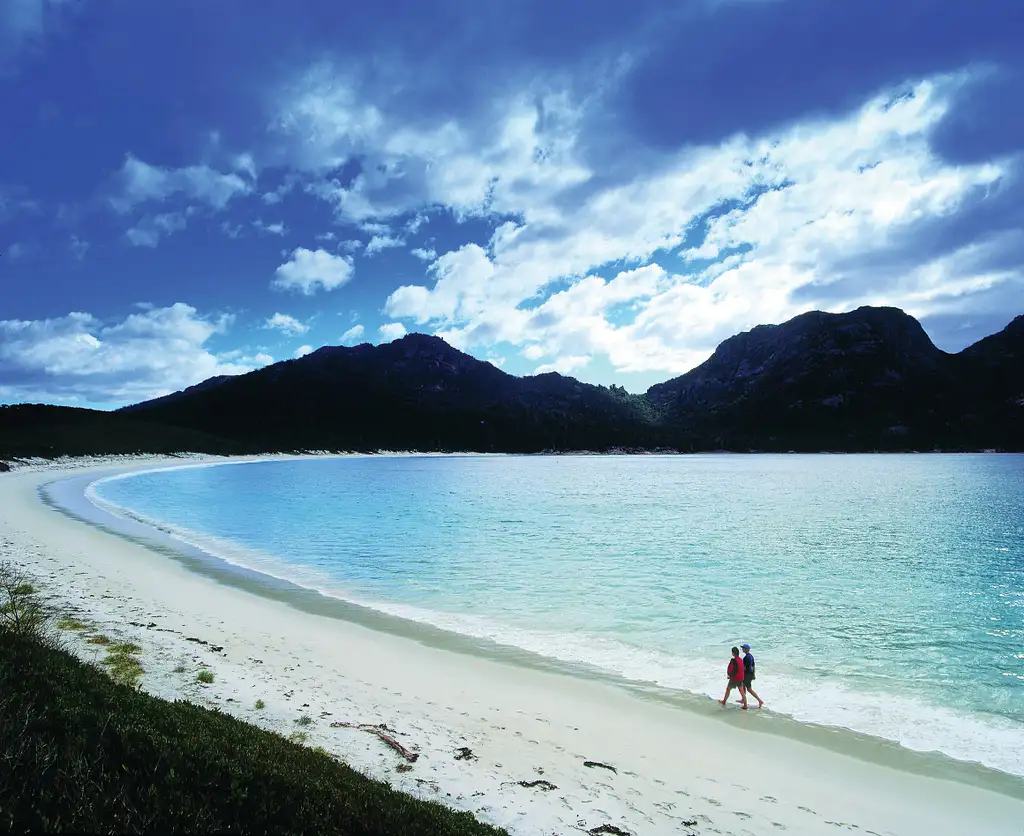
(537,724)
(216,561)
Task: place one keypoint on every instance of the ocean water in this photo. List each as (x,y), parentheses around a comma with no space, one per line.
(882,594)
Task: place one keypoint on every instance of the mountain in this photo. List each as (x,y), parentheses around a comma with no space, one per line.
(864,380)
(870,379)
(414,393)
(43,431)
(991,387)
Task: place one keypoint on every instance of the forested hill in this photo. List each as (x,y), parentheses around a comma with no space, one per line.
(870,379)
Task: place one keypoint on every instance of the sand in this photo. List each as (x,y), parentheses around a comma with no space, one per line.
(677,769)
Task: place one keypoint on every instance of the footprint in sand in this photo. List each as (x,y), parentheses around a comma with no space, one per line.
(806,810)
(712,801)
(770,799)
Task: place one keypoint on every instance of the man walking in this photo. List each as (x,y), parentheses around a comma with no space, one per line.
(748,676)
(735,673)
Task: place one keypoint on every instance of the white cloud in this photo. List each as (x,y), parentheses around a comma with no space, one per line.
(276,228)
(16,251)
(564,365)
(139,182)
(514,163)
(246,164)
(352,334)
(302,351)
(788,211)
(148,231)
(413,226)
(382,242)
(79,358)
(392,331)
(286,324)
(424,254)
(310,270)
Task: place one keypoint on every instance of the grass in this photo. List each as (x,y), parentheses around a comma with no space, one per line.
(180,669)
(205,677)
(69,622)
(304,720)
(103,640)
(84,753)
(298,737)
(122,663)
(260,705)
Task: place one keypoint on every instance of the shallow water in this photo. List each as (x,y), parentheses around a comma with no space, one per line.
(883,594)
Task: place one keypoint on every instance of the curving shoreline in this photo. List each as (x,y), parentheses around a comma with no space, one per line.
(672,765)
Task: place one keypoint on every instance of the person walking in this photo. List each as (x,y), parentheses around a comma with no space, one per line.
(735,673)
(748,675)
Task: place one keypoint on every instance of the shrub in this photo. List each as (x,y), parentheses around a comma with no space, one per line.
(260,705)
(205,677)
(82,753)
(20,610)
(304,720)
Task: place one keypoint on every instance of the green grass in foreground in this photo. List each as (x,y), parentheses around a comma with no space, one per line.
(81,752)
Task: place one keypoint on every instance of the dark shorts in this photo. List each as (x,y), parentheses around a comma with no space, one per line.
(748,682)
(736,683)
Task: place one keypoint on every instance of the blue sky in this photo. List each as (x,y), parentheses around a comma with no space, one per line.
(604,189)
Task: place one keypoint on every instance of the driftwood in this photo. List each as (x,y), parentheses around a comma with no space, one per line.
(592,764)
(380,732)
(609,828)
(464,753)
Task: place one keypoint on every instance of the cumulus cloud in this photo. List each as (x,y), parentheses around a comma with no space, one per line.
(392,331)
(139,182)
(352,334)
(286,324)
(80,358)
(424,254)
(310,270)
(751,230)
(302,351)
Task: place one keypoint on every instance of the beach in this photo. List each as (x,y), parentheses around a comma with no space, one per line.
(529,749)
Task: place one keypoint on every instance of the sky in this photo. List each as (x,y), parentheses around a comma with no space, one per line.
(603,189)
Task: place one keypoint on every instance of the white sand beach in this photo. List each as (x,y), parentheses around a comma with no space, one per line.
(677,770)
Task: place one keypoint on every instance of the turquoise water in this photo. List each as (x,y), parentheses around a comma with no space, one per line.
(883,594)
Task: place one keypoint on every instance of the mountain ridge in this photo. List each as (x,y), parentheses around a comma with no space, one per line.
(868,379)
